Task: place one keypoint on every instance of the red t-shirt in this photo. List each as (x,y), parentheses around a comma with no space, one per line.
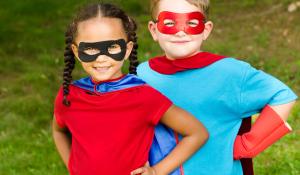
(111,132)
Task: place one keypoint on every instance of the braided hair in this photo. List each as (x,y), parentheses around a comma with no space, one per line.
(89,12)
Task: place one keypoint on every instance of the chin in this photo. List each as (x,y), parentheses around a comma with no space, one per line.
(101,78)
(179,53)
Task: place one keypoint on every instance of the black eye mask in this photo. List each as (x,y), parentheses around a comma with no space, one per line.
(115,49)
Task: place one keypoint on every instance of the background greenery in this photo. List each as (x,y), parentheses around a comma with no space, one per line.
(261,32)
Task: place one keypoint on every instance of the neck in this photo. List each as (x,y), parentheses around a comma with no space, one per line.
(172,58)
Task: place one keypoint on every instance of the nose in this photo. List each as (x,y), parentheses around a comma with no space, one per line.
(101,58)
(181,33)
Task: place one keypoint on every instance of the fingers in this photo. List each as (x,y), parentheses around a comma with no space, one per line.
(147,164)
(146,170)
(138,171)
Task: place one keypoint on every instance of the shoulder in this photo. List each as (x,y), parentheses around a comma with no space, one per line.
(150,92)
(82,82)
(143,66)
(60,94)
(154,98)
(58,104)
(131,78)
(231,63)
(146,88)
(145,72)
(230,66)
(145,63)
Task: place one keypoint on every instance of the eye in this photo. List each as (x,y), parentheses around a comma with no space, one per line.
(91,51)
(193,22)
(169,23)
(114,49)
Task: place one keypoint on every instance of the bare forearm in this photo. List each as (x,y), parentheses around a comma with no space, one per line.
(195,135)
(63,145)
(62,141)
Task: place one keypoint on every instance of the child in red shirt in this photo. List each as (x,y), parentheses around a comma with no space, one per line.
(112,116)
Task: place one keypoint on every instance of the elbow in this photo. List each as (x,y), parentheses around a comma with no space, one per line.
(203,136)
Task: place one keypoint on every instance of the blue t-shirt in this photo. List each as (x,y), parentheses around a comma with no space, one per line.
(220,96)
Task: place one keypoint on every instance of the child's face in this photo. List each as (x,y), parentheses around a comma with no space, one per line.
(98,36)
(181,44)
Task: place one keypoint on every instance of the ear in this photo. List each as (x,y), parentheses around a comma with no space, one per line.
(129,47)
(75,50)
(152,28)
(207,29)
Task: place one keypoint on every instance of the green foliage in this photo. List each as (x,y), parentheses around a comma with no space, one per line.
(31,63)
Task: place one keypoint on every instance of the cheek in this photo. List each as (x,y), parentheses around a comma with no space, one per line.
(118,64)
(86,66)
(198,38)
(164,40)
(162,37)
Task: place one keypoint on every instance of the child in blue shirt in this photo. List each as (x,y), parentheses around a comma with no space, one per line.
(220,91)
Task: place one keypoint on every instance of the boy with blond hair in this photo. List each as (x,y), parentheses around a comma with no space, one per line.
(220,91)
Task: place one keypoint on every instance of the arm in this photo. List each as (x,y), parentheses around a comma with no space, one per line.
(62,141)
(269,127)
(194,136)
(283,110)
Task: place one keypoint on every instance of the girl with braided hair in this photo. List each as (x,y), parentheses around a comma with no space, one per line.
(111,116)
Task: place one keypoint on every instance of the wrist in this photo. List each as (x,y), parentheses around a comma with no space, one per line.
(154,171)
(158,171)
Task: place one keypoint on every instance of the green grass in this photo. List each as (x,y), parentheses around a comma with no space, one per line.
(262,33)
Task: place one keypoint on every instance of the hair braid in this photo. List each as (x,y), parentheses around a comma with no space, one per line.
(133,59)
(69,64)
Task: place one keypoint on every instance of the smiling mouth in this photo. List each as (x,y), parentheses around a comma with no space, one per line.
(102,69)
(180,42)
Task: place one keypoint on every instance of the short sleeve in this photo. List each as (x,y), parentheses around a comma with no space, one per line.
(58,109)
(157,104)
(260,89)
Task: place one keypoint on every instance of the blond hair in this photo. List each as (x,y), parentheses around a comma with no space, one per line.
(203,5)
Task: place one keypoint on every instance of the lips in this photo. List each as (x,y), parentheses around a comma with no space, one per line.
(180,41)
(102,69)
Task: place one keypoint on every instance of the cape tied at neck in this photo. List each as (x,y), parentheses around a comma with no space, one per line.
(165,66)
(123,82)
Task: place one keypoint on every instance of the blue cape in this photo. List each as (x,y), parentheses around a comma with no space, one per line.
(127,81)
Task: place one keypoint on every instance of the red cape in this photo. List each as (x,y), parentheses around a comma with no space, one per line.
(164,65)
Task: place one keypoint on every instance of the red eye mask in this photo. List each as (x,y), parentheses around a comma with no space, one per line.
(171,23)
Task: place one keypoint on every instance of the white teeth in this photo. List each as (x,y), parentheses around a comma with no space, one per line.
(101,69)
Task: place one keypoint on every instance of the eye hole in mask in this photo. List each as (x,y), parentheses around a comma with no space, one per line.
(91,51)
(115,49)
(190,23)
(169,22)
(193,23)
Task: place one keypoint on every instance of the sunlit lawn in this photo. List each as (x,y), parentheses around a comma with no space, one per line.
(31,53)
